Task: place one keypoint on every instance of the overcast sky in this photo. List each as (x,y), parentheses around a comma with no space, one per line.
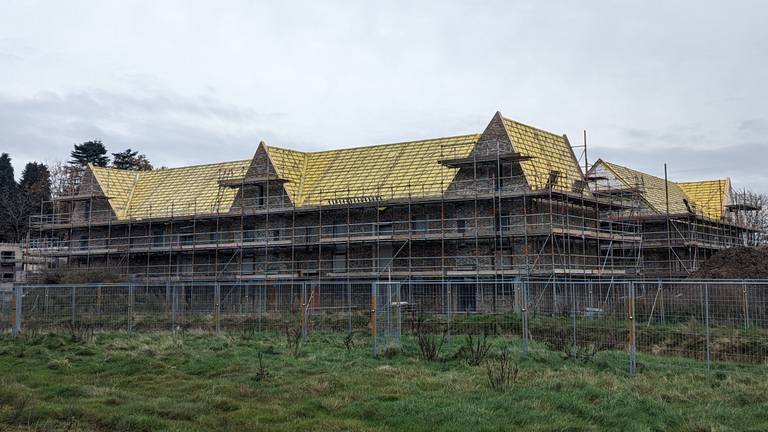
(193,82)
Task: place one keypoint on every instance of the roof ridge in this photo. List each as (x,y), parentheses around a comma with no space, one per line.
(387,144)
(158,170)
(703,181)
(529,126)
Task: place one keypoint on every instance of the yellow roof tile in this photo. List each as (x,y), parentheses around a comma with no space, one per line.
(174,191)
(710,196)
(387,170)
(548,152)
(707,198)
(652,189)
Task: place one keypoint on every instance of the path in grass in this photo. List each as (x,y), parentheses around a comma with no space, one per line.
(154,382)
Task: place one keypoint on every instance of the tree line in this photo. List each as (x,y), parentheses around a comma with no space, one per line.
(39,183)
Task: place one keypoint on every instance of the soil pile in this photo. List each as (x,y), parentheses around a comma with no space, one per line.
(735,263)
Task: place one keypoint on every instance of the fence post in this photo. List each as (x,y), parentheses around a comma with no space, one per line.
(632,328)
(662,313)
(130,307)
(374,329)
(303,312)
(706,321)
(525,316)
(172,288)
(449,295)
(74,305)
(349,306)
(573,313)
(745,293)
(18,294)
(217,307)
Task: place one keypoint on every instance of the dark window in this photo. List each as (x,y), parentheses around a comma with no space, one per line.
(385,228)
(340,230)
(461,226)
(158,236)
(259,195)
(419,226)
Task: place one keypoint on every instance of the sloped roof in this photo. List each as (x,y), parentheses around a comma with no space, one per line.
(707,198)
(117,185)
(710,196)
(175,191)
(384,171)
(387,170)
(548,152)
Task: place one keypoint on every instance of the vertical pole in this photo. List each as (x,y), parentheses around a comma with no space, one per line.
(631,324)
(662,313)
(349,298)
(303,315)
(74,305)
(573,313)
(746,305)
(706,321)
(525,317)
(217,307)
(374,329)
(18,294)
(173,289)
(131,289)
(449,292)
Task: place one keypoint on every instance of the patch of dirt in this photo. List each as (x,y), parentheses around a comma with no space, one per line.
(735,263)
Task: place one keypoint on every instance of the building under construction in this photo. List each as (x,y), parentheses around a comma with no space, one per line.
(510,202)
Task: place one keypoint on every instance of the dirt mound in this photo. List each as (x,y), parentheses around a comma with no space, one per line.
(735,263)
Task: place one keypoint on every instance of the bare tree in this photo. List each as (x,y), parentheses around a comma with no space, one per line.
(757,218)
(64,178)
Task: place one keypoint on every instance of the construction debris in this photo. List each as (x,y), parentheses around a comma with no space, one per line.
(735,263)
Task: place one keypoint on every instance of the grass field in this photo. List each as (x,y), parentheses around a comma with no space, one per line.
(196,382)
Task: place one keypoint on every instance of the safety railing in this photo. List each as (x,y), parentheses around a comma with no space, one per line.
(713,325)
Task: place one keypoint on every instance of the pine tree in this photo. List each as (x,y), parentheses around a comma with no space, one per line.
(8,195)
(124,160)
(92,152)
(36,182)
(131,160)
(7,180)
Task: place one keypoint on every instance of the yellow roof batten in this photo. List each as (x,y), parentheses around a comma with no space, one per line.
(707,198)
(547,152)
(387,171)
(170,192)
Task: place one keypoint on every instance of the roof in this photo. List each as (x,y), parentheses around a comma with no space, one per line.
(388,170)
(706,198)
(548,152)
(710,196)
(175,191)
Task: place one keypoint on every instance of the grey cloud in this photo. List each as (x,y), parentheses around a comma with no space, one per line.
(170,129)
(690,164)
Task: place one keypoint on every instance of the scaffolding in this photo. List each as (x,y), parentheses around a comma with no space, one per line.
(486,211)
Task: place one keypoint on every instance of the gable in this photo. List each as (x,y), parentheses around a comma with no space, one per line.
(370,173)
(546,152)
(710,196)
(707,198)
(170,192)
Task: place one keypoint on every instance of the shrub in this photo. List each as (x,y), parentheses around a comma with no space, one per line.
(475,349)
(430,339)
(502,374)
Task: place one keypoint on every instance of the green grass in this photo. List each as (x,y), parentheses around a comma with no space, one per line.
(196,382)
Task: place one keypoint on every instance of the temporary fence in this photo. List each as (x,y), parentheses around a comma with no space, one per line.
(712,324)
